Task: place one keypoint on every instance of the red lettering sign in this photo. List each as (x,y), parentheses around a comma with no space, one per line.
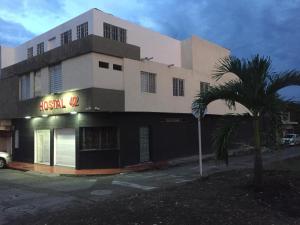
(74,101)
(58,103)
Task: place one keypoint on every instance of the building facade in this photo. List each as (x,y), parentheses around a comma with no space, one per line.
(99,92)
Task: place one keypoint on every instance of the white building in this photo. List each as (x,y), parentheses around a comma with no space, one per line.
(99,91)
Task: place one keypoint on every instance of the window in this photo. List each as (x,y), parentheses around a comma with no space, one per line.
(82,30)
(55,78)
(24,83)
(37,84)
(66,37)
(123,35)
(106,30)
(103,64)
(114,33)
(117,67)
(204,87)
(40,48)
(148,83)
(99,138)
(178,87)
(30,52)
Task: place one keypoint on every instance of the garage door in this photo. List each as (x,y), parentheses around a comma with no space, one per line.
(65,147)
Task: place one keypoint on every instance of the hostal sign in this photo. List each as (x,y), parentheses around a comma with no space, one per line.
(59,103)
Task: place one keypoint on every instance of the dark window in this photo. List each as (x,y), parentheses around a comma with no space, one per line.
(82,30)
(117,67)
(106,30)
(30,52)
(114,33)
(103,64)
(178,87)
(148,82)
(40,48)
(66,37)
(99,138)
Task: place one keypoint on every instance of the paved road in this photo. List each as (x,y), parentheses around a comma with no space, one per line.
(26,194)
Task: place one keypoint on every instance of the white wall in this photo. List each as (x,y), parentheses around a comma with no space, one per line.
(21,50)
(163,100)
(77,73)
(7,56)
(162,48)
(107,78)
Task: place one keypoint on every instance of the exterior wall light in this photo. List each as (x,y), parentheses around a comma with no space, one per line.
(27,117)
(44,115)
(73,113)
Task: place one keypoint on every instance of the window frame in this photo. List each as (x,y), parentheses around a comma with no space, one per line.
(99,135)
(82,30)
(103,64)
(66,37)
(25,87)
(146,79)
(53,82)
(40,48)
(178,87)
(39,73)
(117,67)
(114,32)
(29,52)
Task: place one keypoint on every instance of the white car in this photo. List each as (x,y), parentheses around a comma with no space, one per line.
(4,159)
(291,139)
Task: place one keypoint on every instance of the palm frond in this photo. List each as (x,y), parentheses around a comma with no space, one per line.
(226,65)
(223,136)
(282,80)
(255,69)
(231,92)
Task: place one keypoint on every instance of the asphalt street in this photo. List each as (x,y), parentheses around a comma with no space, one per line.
(26,194)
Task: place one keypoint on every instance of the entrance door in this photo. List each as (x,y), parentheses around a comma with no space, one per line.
(65,147)
(144,144)
(42,146)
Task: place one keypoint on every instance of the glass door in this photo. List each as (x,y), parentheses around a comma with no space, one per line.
(42,146)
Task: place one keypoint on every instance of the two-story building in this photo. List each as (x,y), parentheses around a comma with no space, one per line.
(99,91)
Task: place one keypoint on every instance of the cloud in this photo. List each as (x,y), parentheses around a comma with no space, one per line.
(12,34)
(36,16)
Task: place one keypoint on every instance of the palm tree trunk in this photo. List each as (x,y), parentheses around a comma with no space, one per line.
(258,166)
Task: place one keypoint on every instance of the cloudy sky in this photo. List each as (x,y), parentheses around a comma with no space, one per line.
(267,27)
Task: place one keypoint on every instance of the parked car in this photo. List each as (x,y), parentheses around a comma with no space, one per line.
(291,139)
(4,159)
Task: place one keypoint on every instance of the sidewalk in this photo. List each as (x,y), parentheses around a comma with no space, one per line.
(67,171)
(235,161)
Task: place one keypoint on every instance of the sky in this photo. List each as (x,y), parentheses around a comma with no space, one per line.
(267,27)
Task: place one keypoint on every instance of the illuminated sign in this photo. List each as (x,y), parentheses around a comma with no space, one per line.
(60,103)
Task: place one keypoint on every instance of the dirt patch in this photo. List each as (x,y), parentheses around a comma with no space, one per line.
(225,198)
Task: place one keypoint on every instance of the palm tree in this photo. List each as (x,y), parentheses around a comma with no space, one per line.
(256,88)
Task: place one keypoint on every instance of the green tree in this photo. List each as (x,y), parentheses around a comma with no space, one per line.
(256,88)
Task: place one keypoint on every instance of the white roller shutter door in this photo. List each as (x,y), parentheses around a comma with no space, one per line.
(65,147)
